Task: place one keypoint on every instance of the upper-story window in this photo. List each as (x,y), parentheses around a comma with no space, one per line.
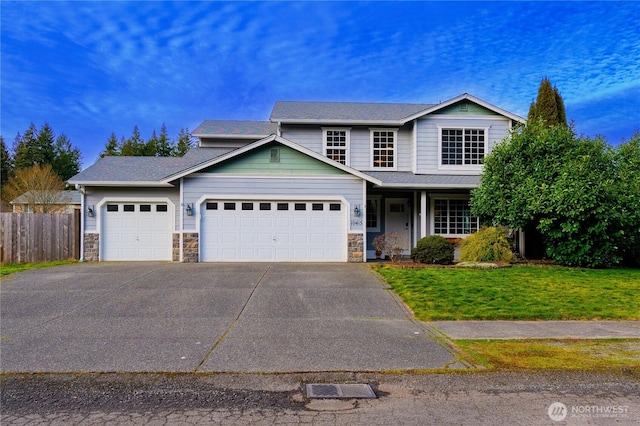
(336,144)
(383,148)
(462,147)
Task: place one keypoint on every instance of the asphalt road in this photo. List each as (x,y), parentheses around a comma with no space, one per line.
(510,398)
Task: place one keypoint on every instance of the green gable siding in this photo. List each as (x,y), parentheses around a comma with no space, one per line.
(259,162)
(471,109)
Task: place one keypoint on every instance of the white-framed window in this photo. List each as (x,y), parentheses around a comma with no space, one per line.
(335,143)
(451,216)
(384,144)
(462,147)
(373,214)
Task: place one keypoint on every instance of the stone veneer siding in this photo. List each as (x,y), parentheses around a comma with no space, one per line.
(91,247)
(190,247)
(175,249)
(355,248)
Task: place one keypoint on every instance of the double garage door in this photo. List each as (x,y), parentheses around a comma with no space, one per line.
(136,231)
(268,231)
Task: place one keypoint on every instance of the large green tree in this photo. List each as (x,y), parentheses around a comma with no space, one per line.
(159,145)
(568,187)
(39,147)
(548,106)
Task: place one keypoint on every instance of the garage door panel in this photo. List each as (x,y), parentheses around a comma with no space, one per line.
(285,232)
(135,235)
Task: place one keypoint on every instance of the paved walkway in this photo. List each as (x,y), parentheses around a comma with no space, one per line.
(537,329)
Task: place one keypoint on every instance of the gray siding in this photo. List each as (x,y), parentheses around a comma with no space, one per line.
(94,195)
(214,186)
(428,138)
(307,136)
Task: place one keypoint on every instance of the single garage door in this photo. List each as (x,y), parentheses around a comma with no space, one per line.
(268,231)
(136,231)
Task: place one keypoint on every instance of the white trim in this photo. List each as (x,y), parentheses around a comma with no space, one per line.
(429,185)
(274,176)
(347,148)
(423,214)
(181,225)
(387,204)
(437,196)
(122,183)
(462,167)
(82,222)
(372,150)
(228,136)
(364,224)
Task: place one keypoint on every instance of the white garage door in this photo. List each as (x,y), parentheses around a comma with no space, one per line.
(268,231)
(136,231)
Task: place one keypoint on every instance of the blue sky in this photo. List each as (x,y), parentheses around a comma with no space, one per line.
(93,68)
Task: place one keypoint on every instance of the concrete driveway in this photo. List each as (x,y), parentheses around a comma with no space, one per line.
(173,317)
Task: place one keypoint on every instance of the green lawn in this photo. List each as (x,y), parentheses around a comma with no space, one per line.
(10,268)
(519,292)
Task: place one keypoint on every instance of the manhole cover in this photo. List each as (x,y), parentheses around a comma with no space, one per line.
(325,390)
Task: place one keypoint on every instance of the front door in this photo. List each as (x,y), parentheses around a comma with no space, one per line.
(398,219)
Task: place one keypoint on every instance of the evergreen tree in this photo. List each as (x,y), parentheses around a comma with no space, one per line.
(164,146)
(134,146)
(112,147)
(549,105)
(42,147)
(6,162)
(151,146)
(66,158)
(185,142)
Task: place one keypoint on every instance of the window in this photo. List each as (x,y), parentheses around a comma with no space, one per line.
(300,206)
(283,206)
(161,208)
(128,208)
(334,207)
(317,206)
(265,206)
(373,214)
(229,206)
(247,206)
(383,147)
(112,207)
(212,206)
(453,217)
(462,147)
(145,207)
(336,144)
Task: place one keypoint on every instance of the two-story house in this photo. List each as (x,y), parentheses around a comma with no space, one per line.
(316,182)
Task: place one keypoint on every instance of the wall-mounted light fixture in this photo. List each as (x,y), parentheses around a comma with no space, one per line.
(189,209)
(356,211)
(90,211)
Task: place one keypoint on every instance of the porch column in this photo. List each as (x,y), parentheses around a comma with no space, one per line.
(423,214)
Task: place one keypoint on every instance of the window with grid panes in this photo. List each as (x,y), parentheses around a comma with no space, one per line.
(384,148)
(336,144)
(453,217)
(463,146)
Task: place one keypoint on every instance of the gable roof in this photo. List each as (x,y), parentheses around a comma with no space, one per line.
(68,197)
(394,179)
(343,112)
(262,142)
(142,171)
(239,129)
(397,114)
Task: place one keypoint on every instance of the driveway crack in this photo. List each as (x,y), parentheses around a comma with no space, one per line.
(237,318)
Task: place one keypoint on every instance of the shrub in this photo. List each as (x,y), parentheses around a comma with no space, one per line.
(489,244)
(392,243)
(433,249)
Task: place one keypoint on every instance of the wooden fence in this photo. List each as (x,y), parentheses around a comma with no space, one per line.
(39,237)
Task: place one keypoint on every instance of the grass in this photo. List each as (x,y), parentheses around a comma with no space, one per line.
(517,293)
(10,268)
(563,354)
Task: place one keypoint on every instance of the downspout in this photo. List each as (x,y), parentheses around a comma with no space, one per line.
(82,209)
